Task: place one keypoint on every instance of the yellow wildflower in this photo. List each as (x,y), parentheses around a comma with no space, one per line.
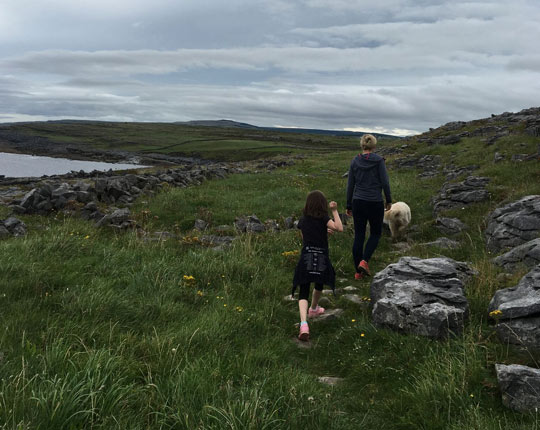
(495,314)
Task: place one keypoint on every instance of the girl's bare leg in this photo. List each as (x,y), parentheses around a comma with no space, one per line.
(303,307)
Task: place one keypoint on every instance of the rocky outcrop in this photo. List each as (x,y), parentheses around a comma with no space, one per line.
(458,195)
(517,311)
(527,254)
(12,227)
(449,225)
(424,297)
(520,387)
(514,224)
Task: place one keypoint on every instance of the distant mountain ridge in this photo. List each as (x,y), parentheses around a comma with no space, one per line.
(227,123)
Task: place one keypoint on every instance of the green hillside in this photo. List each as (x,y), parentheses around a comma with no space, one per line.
(109,330)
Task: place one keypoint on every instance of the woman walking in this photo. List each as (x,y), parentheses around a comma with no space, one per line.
(367,178)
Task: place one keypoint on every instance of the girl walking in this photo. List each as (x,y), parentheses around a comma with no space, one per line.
(314,264)
(367,178)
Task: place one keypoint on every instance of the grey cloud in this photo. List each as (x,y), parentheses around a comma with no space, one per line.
(391,64)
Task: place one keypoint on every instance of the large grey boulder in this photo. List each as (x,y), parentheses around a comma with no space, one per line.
(527,254)
(520,387)
(514,224)
(458,195)
(424,297)
(517,310)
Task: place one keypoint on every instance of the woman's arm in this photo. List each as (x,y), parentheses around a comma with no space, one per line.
(383,174)
(334,224)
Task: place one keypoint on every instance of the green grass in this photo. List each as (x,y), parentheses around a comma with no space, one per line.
(182,140)
(101,330)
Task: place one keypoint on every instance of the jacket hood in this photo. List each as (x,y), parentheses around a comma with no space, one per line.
(367,161)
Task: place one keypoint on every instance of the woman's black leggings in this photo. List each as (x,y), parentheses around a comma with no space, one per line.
(304,290)
(364,212)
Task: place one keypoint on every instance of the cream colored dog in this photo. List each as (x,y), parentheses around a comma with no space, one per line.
(398,218)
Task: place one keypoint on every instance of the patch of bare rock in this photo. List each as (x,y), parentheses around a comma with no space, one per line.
(421,296)
(517,311)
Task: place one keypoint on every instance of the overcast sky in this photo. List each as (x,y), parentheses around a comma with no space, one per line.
(397,66)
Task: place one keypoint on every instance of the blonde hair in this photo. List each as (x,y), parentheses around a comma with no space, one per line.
(368,142)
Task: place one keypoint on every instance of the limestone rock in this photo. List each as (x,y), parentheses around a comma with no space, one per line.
(520,387)
(424,297)
(514,224)
(330,380)
(449,225)
(454,195)
(519,309)
(444,243)
(527,254)
(200,224)
(13,226)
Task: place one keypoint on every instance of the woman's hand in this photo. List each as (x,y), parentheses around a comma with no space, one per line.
(349,212)
(388,207)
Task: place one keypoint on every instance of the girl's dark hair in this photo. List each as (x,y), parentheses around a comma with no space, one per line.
(316,205)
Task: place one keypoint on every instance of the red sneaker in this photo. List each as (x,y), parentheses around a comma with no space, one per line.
(358,276)
(364,267)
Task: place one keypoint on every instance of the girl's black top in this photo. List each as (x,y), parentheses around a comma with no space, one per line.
(314,264)
(314,231)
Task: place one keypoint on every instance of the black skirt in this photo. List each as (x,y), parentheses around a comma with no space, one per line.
(314,266)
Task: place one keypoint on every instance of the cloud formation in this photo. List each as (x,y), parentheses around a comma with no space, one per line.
(397,65)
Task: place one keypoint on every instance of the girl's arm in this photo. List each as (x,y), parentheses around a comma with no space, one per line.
(336,223)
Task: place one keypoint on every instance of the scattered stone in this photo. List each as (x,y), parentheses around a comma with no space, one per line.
(498,157)
(444,243)
(12,227)
(271,225)
(461,194)
(517,311)
(527,254)
(118,219)
(250,224)
(289,298)
(449,225)
(219,242)
(424,297)
(514,224)
(330,380)
(520,387)
(200,224)
(289,223)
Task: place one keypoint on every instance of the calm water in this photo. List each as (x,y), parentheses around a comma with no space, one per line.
(18,165)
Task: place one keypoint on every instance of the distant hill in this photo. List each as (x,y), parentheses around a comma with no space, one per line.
(227,123)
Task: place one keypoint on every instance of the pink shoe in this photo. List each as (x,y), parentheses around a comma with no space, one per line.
(358,276)
(315,312)
(304,333)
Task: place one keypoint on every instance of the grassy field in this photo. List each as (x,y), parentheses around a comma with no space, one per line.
(109,331)
(184,140)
